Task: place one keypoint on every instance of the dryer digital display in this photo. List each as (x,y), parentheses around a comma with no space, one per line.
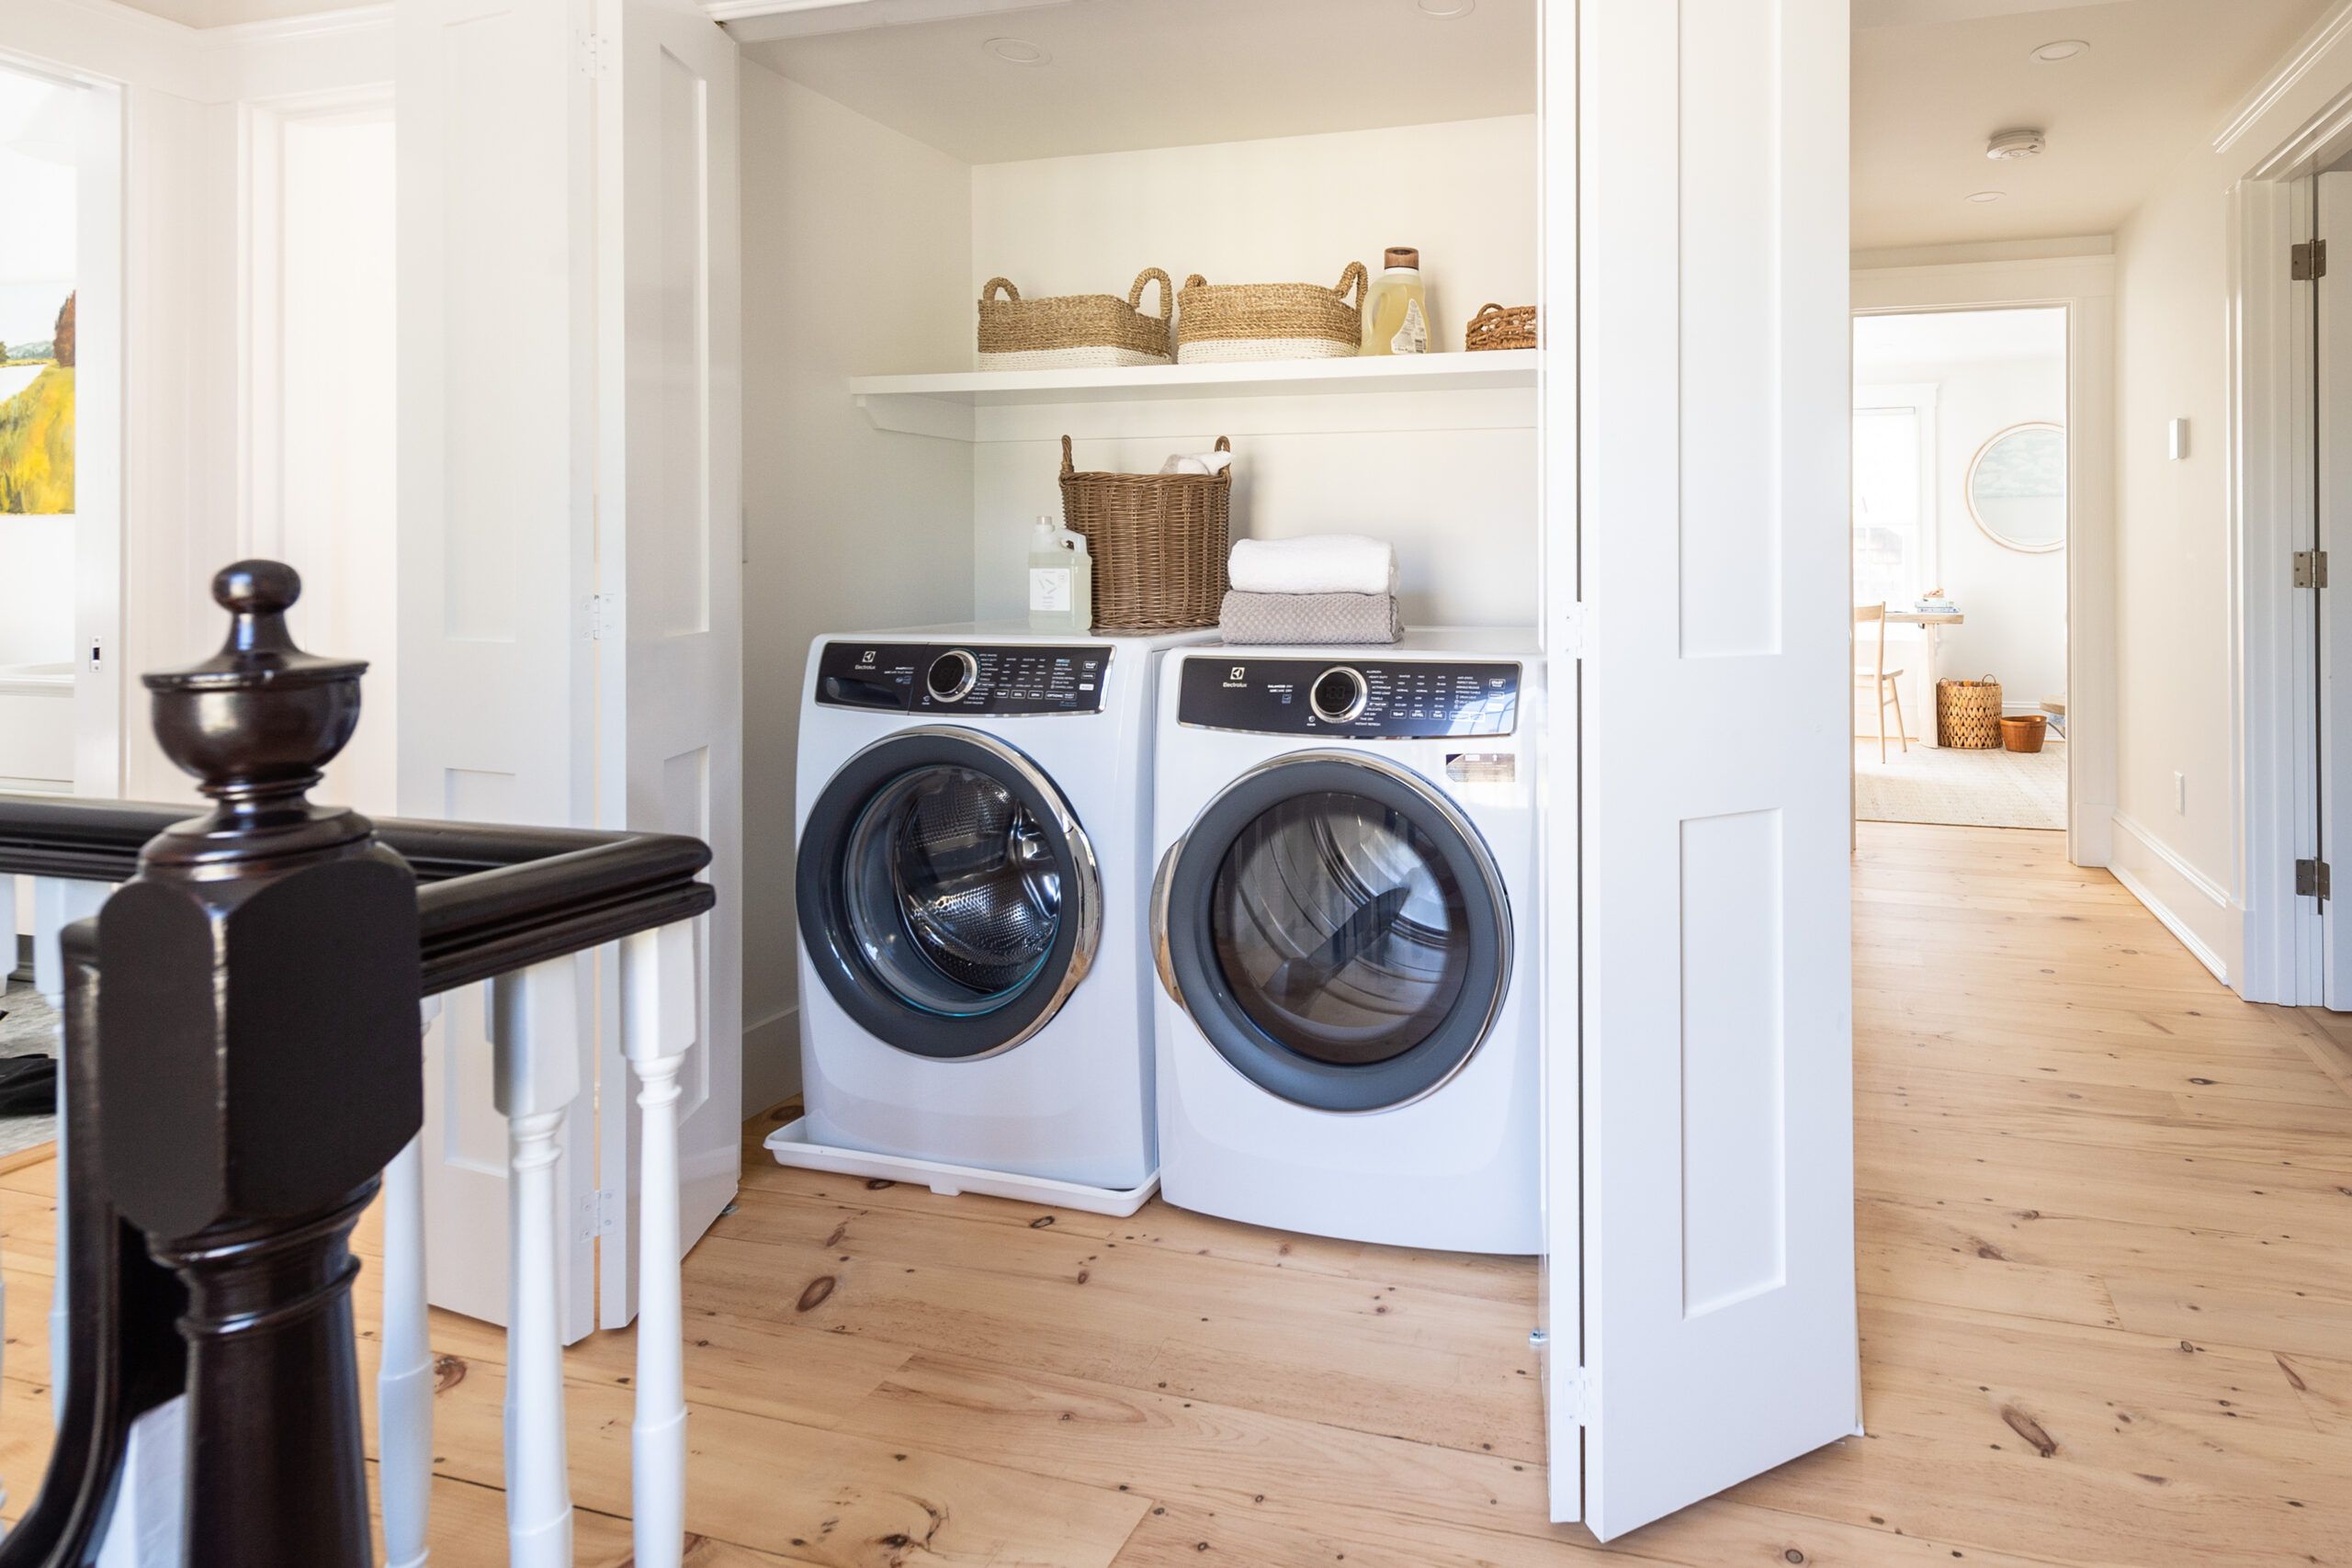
(993,680)
(1371,699)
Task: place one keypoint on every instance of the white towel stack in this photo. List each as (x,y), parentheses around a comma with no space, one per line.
(1326,588)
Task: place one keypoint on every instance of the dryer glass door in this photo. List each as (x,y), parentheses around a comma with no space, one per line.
(1338,930)
(947,894)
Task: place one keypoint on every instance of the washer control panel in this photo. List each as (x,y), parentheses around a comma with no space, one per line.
(976,679)
(1368,698)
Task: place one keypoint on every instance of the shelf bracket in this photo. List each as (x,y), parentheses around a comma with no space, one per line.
(935,417)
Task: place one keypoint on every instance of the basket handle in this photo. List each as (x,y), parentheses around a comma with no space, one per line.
(1353,281)
(1167,292)
(988,290)
(1489,308)
(1225,444)
(1197,281)
(1069,467)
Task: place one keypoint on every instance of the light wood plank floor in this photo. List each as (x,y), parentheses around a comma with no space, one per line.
(2106,1231)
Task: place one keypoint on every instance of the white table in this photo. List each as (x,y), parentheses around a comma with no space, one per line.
(1930,647)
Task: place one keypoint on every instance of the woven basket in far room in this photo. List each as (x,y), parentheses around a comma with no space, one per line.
(1070,330)
(1501,326)
(1158,542)
(1221,323)
(1968,714)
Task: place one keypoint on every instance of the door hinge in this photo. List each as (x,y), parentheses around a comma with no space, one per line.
(592,56)
(2311,879)
(1574,628)
(600,1213)
(604,616)
(2307,261)
(2311,568)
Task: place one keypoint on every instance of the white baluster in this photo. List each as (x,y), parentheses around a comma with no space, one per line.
(404,1379)
(57,904)
(657,1028)
(534,1026)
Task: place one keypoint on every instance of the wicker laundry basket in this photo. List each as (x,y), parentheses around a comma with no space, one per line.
(1501,326)
(1968,714)
(1221,323)
(1068,330)
(1158,542)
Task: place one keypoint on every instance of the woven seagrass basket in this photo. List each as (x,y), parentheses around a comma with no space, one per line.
(1501,326)
(1068,330)
(1158,542)
(1221,322)
(1968,714)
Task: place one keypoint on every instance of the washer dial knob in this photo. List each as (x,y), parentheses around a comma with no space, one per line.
(950,676)
(1339,695)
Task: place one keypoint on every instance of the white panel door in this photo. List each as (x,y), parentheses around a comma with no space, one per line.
(670,546)
(496,447)
(1717,1223)
(2333,223)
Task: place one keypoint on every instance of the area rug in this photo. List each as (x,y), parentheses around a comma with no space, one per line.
(29,1029)
(1972,789)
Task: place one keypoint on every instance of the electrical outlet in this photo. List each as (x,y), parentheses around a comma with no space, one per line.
(2180,794)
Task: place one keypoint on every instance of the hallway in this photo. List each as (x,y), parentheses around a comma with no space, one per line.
(2106,1235)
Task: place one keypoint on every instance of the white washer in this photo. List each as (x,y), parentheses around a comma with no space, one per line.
(1343,921)
(972,820)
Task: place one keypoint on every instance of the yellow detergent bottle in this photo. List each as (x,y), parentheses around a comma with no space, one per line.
(1397,310)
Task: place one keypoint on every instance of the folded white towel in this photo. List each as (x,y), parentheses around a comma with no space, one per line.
(1198,463)
(1319,563)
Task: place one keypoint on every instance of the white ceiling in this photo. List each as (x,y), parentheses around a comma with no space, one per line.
(1133,74)
(1887,345)
(1934,78)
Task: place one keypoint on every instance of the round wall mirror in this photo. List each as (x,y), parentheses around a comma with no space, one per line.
(2017,487)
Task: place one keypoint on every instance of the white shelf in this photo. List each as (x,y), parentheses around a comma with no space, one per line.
(1417,391)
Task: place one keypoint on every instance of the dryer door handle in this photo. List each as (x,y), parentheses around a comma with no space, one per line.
(1161,957)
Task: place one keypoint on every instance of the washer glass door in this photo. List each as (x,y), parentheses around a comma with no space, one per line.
(953,889)
(949,899)
(1338,930)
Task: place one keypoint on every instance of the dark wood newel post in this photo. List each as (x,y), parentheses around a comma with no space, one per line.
(258,1067)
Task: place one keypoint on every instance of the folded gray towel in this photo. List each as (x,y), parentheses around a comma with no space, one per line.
(1309,619)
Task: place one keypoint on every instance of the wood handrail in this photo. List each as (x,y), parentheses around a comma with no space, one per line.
(492,899)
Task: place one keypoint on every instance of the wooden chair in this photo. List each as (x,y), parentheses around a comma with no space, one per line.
(1881,681)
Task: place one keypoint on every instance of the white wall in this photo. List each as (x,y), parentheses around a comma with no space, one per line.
(857,255)
(2173,573)
(1295,209)
(2015,602)
(36,627)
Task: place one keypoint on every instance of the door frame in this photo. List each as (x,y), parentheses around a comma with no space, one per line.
(2084,287)
(2291,124)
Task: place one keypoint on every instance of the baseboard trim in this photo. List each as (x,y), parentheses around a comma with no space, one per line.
(772,1058)
(2190,880)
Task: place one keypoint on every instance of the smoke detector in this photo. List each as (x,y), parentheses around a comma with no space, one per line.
(2006,144)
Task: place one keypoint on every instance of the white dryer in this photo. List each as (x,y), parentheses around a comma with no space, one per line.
(973,823)
(1343,920)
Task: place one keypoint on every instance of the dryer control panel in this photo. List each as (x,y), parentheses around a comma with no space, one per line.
(976,679)
(1379,699)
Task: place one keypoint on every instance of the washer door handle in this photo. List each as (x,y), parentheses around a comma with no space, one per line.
(1162,958)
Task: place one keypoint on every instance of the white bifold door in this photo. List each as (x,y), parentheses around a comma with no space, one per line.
(2332,845)
(568,556)
(1716,1337)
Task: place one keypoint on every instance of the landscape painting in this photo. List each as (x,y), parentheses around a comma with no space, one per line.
(36,422)
(39,219)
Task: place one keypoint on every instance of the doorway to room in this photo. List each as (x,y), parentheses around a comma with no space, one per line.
(1959,533)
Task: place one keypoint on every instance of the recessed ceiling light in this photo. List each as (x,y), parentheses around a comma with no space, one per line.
(1443,8)
(2006,144)
(1016,51)
(2056,50)
(1980,196)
